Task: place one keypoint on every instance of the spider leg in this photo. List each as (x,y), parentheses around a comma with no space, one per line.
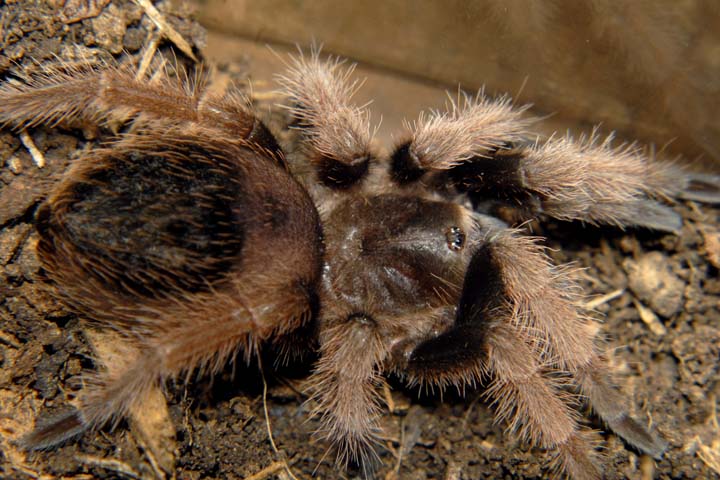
(530,402)
(544,303)
(471,127)
(586,179)
(337,133)
(65,93)
(533,405)
(211,332)
(485,342)
(517,321)
(345,386)
(527,400)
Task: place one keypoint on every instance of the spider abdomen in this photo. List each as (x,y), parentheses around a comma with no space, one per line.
(149,224)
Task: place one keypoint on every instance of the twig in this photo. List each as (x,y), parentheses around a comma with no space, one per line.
(148,54)
(165,28)
(602,299)
(267,471)
(109,464)
(401,448)
(388,397)
(267,422)
(469,410)
(37,156)
(157,470)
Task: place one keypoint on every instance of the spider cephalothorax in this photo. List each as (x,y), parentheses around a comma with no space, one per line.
(194,237)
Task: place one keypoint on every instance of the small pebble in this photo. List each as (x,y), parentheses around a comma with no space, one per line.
(651,280)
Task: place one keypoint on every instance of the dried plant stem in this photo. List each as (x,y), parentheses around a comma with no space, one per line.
(283,463)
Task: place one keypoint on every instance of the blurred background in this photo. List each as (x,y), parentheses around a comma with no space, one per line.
(649,69)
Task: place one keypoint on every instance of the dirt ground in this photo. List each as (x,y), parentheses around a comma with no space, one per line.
(658,296)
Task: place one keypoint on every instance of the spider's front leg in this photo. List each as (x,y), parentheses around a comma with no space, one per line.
(345,386)
(517,323)
(482,147)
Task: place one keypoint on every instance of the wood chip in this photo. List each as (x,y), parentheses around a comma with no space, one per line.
(15,165)
(654,283)
(650,319)
(453,471)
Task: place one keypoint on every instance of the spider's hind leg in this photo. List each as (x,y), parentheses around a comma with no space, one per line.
(94,95)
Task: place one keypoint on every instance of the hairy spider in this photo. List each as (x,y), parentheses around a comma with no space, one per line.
(194,237)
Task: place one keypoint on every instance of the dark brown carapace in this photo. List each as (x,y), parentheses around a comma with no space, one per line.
(195,238)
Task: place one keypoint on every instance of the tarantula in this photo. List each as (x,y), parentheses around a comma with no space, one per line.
(195,237)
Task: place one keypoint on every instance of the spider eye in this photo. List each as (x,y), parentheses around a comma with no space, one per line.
(455,238)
